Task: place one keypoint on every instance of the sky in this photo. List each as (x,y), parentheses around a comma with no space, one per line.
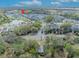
(39,3)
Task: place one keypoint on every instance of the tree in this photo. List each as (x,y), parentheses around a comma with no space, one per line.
(49,18)
(2,46)
(72,16)
(54,45)
(4,19)
(47,30)
(23,30)
(66,27)
(10,37)
(70,50)
(37,24)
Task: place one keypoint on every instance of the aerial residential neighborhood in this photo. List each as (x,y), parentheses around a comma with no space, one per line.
(39,29)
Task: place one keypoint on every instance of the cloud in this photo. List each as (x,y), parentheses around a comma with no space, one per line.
(57,3)
(17,5)
(29,3)
(67,0)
